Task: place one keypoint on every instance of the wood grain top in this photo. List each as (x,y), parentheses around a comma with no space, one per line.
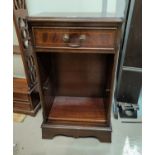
(77,15)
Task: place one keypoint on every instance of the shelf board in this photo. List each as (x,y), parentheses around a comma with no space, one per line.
(78,110)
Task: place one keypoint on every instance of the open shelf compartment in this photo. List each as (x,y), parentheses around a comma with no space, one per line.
(76,87)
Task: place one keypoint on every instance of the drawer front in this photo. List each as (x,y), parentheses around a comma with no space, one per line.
(69,38)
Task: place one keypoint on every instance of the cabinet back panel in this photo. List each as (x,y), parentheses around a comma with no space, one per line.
(80,74)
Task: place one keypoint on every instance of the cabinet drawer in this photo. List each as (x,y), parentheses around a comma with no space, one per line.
(75,38)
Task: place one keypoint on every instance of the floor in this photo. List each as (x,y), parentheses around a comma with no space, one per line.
(126,140)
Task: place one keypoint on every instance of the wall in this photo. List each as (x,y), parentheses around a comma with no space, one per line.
(114,7)
(37,6)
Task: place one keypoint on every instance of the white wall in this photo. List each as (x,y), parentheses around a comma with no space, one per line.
(120,7)
(109,7)
(116,7)
(38,6)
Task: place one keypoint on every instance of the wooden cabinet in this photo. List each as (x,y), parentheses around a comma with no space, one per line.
(76,60)
(24,100)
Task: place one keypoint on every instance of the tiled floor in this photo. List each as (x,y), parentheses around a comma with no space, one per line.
(126,140)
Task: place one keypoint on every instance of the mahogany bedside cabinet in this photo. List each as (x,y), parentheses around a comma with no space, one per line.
(76,58)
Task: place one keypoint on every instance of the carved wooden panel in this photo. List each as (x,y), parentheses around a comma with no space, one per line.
(32,69)
(32,104)
(20,13)
(19,4)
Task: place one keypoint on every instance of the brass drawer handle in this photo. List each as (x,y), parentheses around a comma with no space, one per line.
(82,37)
(66,39)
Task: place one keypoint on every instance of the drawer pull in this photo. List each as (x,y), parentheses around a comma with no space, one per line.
(66,39)
(82,37)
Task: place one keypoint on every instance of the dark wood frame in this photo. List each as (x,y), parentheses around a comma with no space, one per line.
(24,101)
(19,17)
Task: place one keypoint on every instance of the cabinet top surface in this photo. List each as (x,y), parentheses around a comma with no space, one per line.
(46,16)
(77,14)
